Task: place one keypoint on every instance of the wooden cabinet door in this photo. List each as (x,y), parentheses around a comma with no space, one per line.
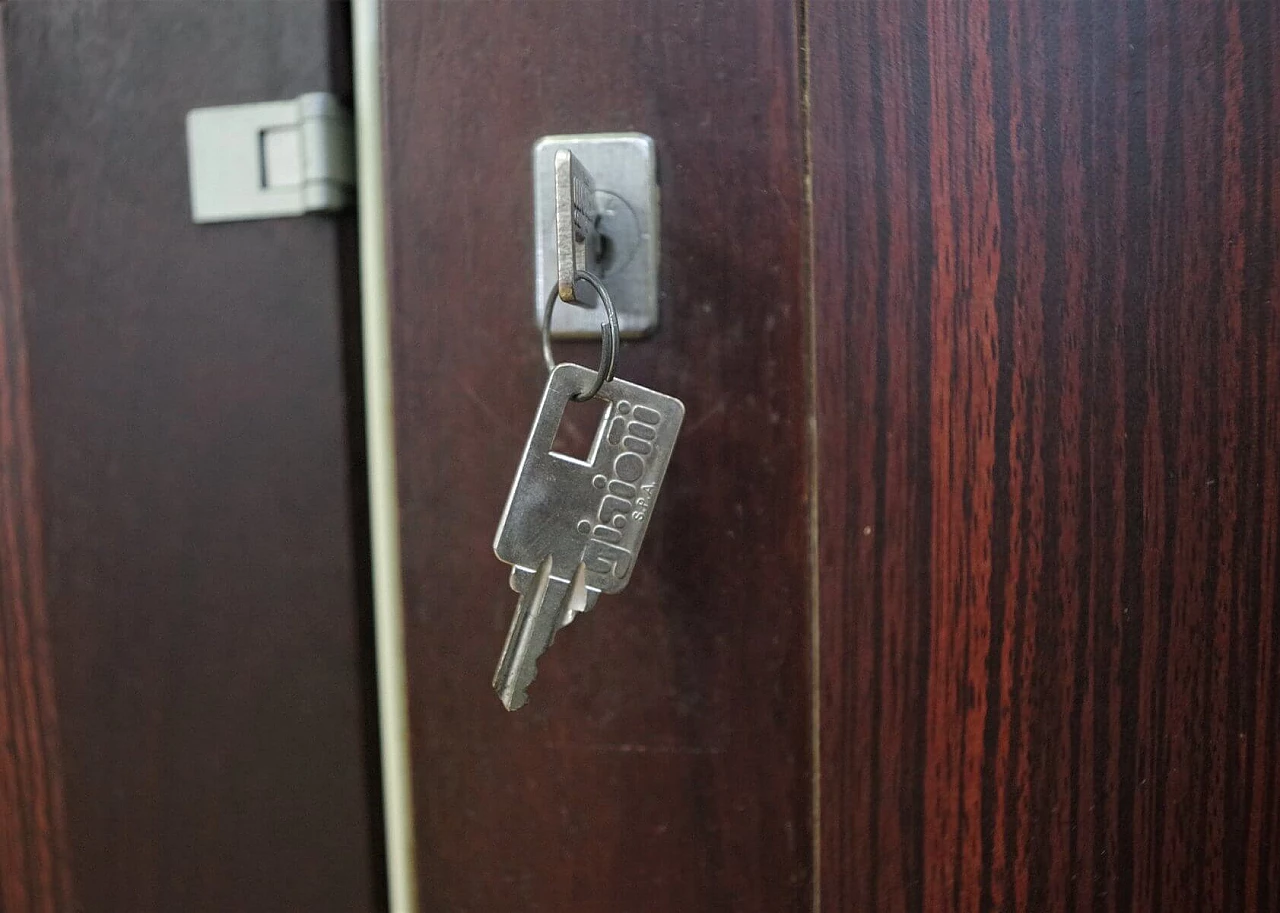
(186,710)
(662,762)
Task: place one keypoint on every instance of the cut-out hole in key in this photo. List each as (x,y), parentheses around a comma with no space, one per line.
(579,427)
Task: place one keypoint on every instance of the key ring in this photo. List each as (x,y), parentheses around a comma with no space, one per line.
(609,333)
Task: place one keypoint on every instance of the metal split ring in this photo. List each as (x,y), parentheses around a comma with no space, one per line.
(609,335)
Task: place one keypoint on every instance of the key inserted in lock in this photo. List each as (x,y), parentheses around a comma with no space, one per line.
(578,240)
(596,208)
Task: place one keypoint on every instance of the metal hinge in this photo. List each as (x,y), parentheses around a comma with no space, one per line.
(270,159)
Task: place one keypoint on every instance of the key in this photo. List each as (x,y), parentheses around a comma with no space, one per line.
(577,235)
(572,528)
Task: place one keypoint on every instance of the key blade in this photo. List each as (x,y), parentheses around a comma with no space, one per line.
(546,604)
(579,597)
(533,627)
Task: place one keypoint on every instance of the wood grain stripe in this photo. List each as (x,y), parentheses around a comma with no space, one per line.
(1047,421)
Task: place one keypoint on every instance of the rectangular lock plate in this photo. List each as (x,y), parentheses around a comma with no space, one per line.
(270,159)
(624,166)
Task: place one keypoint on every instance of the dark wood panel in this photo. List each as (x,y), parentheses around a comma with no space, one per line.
(663,761)
(1049,431)
(194,433)
(33,830)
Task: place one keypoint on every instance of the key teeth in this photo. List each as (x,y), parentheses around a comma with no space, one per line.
(575,598)
(519,657)
(514,701)
(512,691)
(515,698)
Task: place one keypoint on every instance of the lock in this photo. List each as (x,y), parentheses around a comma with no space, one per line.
(596,210)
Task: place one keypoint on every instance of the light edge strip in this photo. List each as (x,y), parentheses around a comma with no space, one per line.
(384,515)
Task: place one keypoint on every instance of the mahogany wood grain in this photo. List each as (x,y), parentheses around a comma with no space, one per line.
(662,762)
(1048,402)
(181,488)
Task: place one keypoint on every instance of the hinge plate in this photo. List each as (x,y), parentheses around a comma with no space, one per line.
(270,159)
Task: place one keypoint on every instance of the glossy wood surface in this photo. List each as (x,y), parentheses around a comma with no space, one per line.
(181,441)
(662,762)
(1048,388)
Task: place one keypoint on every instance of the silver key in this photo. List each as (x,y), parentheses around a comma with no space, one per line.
(572,528)
(577,232)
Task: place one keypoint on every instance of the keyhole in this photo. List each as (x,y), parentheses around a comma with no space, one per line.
(606,252)
(618,230)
